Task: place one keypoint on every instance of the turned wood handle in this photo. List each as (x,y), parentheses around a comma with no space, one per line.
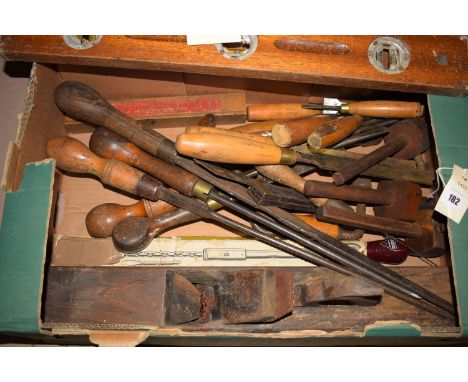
(83,103)
(333,132)
(100,221)
(134,234)
(107,144)
(221,148)
(387,109)
(279,173)
(258,127)
(286,175)
(229,133)
(72,155)
(296,132)
(266,112)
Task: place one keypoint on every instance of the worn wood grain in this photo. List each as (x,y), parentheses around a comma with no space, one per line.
(439,64)
(348,317)
(131,296)
(105,296)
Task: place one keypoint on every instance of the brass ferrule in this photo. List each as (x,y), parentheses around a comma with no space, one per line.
(344,108)
(214,205)
(288,156)
(201,190)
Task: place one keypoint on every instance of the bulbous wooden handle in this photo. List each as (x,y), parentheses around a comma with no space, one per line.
(387,109)
(296,132)
(109,145)
(220,148)
(82,103)
(100,221)
(333,132)
(72,155)
(265,112)
(228,133)
(134,234)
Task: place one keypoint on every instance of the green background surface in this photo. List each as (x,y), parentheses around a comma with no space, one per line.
(22,250)
(450,123)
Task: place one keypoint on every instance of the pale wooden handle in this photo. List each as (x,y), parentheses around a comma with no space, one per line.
(296,132)
(285,175)
(229,133)
(221,148)
(258,127)
(266,112)
(387,109)
(333,132)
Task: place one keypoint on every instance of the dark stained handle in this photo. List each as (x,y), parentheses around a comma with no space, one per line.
(314,188)
(72,155)
(82,103)
(366,162)
(100,221)
(107,144)
(332,214)
(134,234)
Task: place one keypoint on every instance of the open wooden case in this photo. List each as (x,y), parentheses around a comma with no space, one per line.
(44,227)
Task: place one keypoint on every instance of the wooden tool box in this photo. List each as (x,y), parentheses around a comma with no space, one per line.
(45,208)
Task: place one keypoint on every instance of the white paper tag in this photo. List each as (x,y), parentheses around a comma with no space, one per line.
(212,39)
(331,102)
(453,201)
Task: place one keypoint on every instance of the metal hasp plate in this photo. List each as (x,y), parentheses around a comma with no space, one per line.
(389,55)
(239,51)
(81,41)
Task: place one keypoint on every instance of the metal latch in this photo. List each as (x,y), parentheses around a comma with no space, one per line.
(389,55)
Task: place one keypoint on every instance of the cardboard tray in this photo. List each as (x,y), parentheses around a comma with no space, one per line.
(42,203)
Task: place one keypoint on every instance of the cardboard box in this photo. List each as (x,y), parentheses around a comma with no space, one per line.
(42,204)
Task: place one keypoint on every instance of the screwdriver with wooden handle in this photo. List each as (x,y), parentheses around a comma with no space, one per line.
(281,174)
(100,220)
(377,109)
(230,149)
